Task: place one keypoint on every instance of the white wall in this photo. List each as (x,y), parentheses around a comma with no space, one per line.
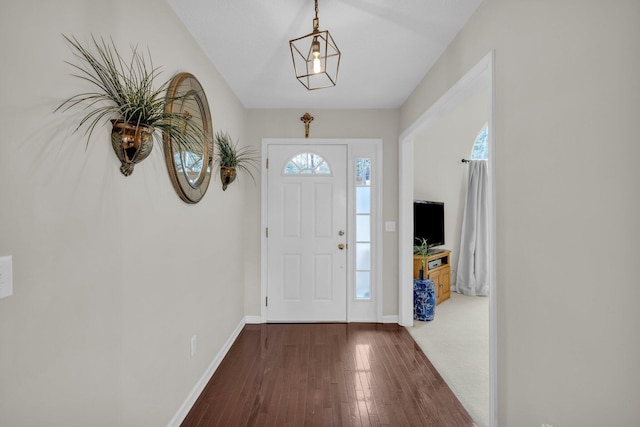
(567,89)
(112,275)
(328,124)
(439,175)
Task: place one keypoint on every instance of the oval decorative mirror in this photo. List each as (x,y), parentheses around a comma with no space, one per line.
(189,160)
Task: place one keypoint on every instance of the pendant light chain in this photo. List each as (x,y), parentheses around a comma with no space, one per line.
(316,21)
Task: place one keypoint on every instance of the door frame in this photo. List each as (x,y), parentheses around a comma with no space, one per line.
(480,76)
(355,148)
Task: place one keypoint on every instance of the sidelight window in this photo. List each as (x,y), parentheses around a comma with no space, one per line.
(363,228)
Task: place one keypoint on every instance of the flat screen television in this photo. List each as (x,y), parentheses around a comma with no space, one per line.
(428,222)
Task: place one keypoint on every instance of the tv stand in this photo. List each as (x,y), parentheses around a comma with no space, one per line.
(440,272)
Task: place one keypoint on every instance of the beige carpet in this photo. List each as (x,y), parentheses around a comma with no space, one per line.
(456,341)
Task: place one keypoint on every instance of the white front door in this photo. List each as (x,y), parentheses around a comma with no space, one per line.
(307,233)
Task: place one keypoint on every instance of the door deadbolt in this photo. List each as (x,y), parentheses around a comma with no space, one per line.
(340,233)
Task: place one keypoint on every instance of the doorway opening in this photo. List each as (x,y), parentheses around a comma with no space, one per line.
(480,76)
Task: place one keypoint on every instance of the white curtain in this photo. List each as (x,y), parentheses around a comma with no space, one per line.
(473,262)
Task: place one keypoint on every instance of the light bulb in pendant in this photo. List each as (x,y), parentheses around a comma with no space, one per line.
(317,65)
(315,51)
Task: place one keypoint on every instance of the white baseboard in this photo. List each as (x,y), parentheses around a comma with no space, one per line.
(390,319)
(253,320)
(256,320)
(179,417)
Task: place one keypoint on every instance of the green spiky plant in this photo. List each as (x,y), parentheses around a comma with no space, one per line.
(127,91)
(422,249)
(228,154)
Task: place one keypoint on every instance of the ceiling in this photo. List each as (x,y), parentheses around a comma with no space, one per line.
(387,46)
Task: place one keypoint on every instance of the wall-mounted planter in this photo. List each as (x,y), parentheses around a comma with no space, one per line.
(230,159)
(132,144)
(227,176)
(125,91)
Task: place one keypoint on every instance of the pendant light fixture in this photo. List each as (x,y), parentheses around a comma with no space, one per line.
(316,58)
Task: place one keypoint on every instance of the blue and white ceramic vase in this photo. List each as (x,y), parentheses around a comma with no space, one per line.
(424,299)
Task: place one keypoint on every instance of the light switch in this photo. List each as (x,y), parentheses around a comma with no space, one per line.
(6,276)
(389,226)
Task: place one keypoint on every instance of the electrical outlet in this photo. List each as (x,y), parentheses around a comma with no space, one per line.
(194,345)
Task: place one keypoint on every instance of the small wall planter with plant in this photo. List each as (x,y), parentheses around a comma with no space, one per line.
(232,159)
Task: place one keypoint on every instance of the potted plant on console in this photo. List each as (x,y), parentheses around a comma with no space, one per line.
(125,93)
(422,248)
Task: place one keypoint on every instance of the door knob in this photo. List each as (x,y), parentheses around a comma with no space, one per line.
(341,246)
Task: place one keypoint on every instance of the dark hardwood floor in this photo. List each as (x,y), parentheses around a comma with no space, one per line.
(357,374)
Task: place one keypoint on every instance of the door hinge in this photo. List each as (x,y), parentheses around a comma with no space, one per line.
(267,165)
(266,232)
(266,301)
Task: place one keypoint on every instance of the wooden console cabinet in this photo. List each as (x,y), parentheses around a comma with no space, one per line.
(441,275)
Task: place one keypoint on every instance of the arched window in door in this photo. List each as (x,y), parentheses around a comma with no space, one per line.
(307,164)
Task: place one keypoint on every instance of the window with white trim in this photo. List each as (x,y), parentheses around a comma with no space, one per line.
(363,229)
(480,150)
